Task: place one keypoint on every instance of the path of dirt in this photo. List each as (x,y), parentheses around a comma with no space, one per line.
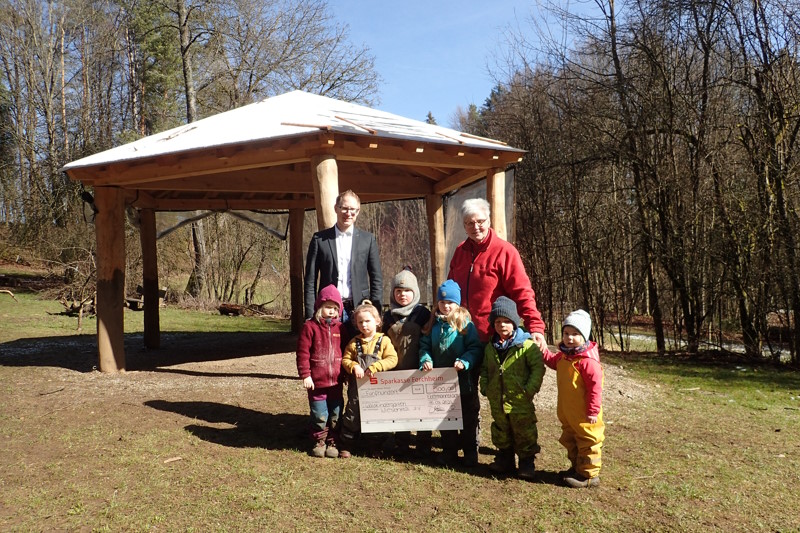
(61,372)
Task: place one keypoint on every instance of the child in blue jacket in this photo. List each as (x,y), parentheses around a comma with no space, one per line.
(451,340)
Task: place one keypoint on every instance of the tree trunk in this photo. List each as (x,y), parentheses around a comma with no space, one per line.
(186,59)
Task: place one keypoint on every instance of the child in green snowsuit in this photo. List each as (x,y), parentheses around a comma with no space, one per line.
(511,375)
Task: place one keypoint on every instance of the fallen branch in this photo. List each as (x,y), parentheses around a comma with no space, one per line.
(10,294)
(51,392)
(230,309)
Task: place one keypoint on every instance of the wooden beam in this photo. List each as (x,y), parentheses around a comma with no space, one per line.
(201,161)
(432,173)
(281,180)
(496,196)
(388,184)
(110,235)
(435,212)
(428,157)
(296,219)
(459,179)
(147,236)
(222,204)
(326,188)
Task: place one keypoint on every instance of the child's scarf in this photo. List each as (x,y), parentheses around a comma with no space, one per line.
(572,352)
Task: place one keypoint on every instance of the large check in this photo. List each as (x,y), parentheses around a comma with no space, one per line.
(410,400)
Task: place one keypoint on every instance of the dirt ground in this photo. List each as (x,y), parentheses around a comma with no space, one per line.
(77,438)
(59,374)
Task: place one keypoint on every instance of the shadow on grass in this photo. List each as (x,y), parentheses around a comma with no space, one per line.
(284,431)
(252,429)
(79,352)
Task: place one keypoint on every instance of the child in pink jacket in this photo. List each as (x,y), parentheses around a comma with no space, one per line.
(580,392)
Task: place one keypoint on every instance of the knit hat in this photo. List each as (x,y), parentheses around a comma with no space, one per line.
(449,290)
(581,321)
(405,279)
(329,294)
(506,308)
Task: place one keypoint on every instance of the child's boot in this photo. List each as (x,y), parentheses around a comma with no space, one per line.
(319,449)
(331,450)
(471,457)
(423,444)
(503,462)
(527,468)
(448,457)
(578,481)
(402,444)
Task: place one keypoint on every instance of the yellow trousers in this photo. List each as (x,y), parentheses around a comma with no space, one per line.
(582,440)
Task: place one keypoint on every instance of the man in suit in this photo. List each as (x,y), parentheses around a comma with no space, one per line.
(346,257)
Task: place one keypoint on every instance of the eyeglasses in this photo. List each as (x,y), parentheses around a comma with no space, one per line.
(478,223)
(349,209)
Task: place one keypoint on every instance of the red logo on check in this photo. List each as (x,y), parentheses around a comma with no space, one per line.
(373,380)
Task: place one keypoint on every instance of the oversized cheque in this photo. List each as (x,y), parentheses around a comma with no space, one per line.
(410,400)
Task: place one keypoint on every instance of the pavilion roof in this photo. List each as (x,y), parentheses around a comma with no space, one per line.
(259,156)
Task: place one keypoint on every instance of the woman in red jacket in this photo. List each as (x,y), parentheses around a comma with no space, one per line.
(486,267)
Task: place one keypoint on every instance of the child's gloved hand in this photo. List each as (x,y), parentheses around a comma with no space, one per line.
(308,383)
(358,372)
(458,365)
(427,365)
(592,419)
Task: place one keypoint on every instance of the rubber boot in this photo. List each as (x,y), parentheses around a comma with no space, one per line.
(578,481)
(471,457)
(527,469)
(503,462)
(448,457)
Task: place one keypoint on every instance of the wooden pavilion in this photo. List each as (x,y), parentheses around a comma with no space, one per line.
(290,152)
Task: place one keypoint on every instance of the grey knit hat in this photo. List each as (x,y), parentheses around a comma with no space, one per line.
(506,308)
(581,321)
(405,279)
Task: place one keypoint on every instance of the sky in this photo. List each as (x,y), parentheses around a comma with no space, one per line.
(432,55)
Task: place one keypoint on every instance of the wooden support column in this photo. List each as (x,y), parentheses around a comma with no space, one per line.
(147,236)
(435,211)
(326,188)
(296,217)
(496,196)
(110,233)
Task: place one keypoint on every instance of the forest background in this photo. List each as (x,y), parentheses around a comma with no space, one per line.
(660,185)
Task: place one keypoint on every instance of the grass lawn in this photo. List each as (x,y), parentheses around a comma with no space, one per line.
(207,434)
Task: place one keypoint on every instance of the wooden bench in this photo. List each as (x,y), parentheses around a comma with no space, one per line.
(136,303)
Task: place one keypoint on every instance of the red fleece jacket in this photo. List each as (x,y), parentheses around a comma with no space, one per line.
(490,269)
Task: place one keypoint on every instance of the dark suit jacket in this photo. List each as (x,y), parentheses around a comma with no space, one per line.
(322,268)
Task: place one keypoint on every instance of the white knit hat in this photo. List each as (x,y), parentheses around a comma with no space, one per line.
(581,321)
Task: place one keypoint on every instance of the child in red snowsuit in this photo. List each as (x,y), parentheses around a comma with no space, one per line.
(319,364)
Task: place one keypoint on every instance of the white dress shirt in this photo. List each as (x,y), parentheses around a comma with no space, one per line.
(344,249)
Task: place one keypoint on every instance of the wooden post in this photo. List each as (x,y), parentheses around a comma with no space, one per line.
(296,218)
(326,188)
(435,211)
(496,196)
(110,234)
(147,236)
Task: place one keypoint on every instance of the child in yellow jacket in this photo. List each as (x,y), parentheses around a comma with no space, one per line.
(369,352)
